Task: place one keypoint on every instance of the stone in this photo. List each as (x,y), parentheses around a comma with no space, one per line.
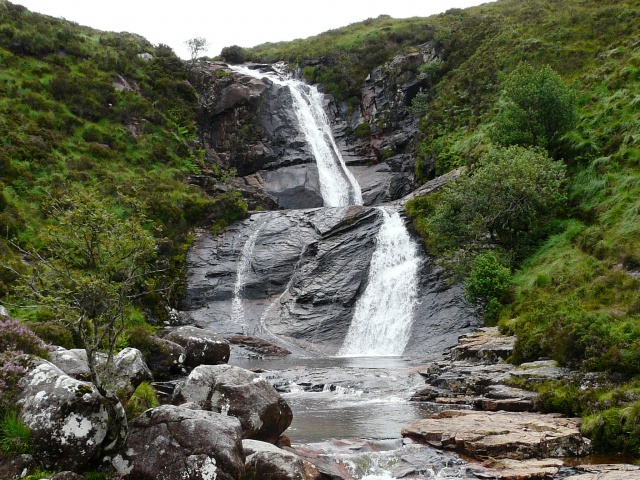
(165,358)
(486,345)
(498,435)
(265,461)
(16,467)
(507,469)
(607,472)
(262,412)
(202,347)
(169,442)
(540,371)
(73,362)
(130,370)
(68,418)
(258,345)
(67,476)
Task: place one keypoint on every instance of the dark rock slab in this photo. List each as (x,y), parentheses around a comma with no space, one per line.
(202,347)
(169,442)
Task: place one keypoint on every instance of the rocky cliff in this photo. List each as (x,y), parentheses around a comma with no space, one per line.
(248,124)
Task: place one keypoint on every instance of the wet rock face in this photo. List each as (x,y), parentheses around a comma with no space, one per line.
(170,442)
(67,417)
(262,412)
(303,278)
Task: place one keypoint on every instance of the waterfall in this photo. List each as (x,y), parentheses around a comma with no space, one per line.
(338,186)
(244,264)
(383,315)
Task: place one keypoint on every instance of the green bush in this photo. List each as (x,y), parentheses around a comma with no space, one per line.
(233,54)
(536,109)
(507,201)
(488,283)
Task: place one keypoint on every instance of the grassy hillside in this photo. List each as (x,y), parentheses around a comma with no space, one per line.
(575,297)
(105,115)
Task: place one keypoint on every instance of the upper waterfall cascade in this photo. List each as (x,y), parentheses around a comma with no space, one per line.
(338,186)
(384,313)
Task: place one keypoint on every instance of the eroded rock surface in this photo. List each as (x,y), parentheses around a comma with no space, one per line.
(262,412)
(607,472)
(301,282)
(485,435)
(169,442)
(67,418)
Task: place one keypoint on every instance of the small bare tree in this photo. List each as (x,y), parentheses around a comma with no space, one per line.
(196,46)
(87,272)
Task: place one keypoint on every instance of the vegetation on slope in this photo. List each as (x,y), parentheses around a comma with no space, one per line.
(105,116)
(575,296)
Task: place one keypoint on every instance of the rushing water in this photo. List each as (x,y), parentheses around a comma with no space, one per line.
(338,186)
(383,315)
(244,265)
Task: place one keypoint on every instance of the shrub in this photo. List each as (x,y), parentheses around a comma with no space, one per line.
(536,108)
(487,284)
(233,54)
(18,338)
(507,202)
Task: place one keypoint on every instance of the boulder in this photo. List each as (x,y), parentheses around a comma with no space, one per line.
(130,370)
(497,435)
(607,472)
(202,347)
(267,462)
(165,358)
(67,476)
(169,442)
(68,418)
(72,362)
(14,468)
(258,346)
(262,412)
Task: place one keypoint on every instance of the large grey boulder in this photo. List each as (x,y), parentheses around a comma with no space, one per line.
(202,347)
(262,412)
(68,418)
(169,443)
(265,461)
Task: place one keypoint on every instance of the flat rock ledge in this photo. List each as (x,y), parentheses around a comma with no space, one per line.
(607,472)
(501,435)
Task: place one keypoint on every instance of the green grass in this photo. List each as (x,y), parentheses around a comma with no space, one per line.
(14,435)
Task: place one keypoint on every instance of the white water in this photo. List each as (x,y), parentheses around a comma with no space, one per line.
(338,186)
(383,315)
(244,265)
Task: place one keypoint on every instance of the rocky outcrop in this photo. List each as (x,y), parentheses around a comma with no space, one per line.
(265,461)
(304,276)
(170,442)
(483,435)
(17,467)
(67,418)
(262,412)
(202,347)
(165,358)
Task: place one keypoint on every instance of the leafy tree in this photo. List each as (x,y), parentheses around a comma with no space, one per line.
(196,46)
(536,108)
(505,202)
(233,54)
(88,271)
